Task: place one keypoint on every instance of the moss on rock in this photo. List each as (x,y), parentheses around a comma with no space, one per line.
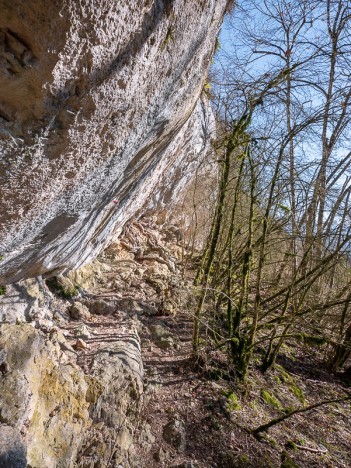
(271,400)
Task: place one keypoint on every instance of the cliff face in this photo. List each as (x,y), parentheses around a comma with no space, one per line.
(97,107)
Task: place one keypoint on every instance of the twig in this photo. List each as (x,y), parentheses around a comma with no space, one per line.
(310,449)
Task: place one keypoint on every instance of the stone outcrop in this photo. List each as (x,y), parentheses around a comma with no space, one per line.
(99,101)
(175,434)
(24,302)
(50,408)
(42,395)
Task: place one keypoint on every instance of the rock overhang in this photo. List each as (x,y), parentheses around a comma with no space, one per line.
(110,88)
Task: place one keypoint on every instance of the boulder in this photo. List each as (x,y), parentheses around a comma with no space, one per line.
(158,331)
(48,404)
(81,344)
(116,387)
(166,343)
(23,302)
(161,336)
(83,332)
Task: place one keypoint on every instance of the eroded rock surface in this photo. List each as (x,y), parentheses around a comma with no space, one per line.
(43,395)
(96,106)
(51,406)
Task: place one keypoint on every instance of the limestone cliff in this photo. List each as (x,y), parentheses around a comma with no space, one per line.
(96,99)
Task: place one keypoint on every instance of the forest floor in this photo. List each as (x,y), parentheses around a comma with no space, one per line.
(219,414)
(196,419)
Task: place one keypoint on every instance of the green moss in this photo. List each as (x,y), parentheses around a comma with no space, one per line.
(2,290)
(256,360)
(270,440)
(298,393)
(284,376)
(289,351)
(215,373)
(243,460)
(64,288)
(267,462)
(270,399)
(290,444)
(233,401)
(252,405)
(1,258)
(287,462)
(315,340)
(169,36)
(289,409)
(276,379)
(233,404)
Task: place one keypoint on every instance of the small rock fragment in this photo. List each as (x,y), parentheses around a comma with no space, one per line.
(83,332)
(101,307)
(79,311)
(166,343)
(160,455)
(175,434)
(80,344)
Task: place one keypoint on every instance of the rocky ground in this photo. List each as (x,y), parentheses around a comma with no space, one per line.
(97,371)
